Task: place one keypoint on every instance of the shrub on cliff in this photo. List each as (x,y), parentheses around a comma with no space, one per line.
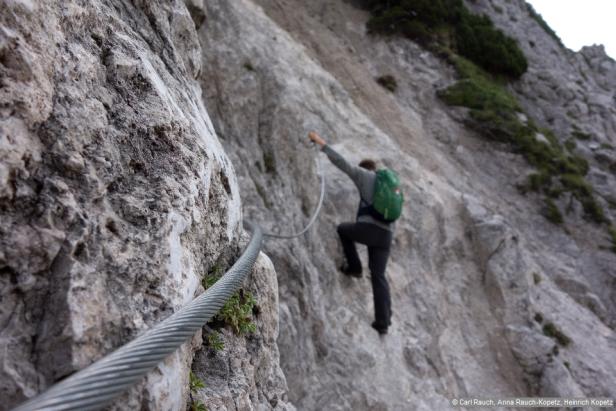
(431,22)
(479,41)
(494,113)
(388,81)
(416,19)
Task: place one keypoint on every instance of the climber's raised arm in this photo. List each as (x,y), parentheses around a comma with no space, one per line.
(356,173)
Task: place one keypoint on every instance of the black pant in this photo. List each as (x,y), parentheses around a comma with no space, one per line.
(378,241)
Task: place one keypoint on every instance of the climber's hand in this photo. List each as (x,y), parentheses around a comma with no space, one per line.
(316,138)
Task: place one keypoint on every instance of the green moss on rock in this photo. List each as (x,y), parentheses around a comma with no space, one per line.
(550,330)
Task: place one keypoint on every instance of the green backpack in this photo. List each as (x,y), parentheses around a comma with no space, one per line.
(387,199)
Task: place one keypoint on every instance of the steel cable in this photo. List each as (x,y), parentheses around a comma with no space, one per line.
(100,383)
(316,212)
(97,385)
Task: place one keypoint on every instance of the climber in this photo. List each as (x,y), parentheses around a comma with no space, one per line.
(371,227)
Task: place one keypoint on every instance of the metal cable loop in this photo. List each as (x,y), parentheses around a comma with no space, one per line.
(97,385)
(316,212)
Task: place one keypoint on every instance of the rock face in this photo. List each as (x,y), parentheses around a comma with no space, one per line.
(571,93)
(489,298)
(245,374)
(118,194)
(115,194)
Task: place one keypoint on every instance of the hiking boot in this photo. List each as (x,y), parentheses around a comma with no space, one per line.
(382,330)
(351,273)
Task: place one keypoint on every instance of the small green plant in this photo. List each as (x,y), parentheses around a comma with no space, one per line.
(593,210)
(567,365)
(215,341)
(388,82)
(237,312)
(479,93)
(550,330)
(195,382)
(198,406)
(215,272)
(536,278)
(570,144)
(248,66)
(536,181)
(269,162)
(612,233)
(551,212)
(580,135)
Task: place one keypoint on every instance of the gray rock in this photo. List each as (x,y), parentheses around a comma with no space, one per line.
(563,90)
(541,138)
(556,382)
(461,271)
(245,374)
(117,196)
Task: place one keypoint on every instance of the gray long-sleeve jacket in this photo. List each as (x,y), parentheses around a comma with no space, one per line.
(363,179)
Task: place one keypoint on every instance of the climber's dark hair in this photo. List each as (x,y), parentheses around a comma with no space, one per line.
(368,164)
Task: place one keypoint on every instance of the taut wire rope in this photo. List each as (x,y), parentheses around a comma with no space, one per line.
(97,385)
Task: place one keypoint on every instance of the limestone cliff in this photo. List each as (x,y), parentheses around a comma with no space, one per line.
(483,285)
(118,195)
